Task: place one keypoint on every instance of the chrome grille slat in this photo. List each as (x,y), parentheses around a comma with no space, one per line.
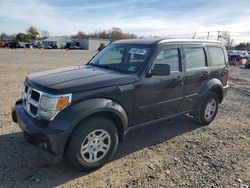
(28,101)
(33,102)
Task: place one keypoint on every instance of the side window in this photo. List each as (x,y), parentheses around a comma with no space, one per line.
(195,57)
(170,57)
(216,56)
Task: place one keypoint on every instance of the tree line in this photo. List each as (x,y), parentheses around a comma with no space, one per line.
(32,34)
(113,34)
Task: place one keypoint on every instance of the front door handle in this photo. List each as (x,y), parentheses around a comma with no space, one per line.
(180,79)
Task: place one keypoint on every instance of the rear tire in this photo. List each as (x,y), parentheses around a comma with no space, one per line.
(92,144)
(208,109)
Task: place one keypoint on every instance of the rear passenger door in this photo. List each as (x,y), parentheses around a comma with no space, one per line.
(197,72)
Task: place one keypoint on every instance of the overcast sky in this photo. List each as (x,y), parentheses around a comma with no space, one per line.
(166,18)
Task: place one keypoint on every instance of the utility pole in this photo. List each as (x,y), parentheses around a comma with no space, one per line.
(218,35)
(194,35)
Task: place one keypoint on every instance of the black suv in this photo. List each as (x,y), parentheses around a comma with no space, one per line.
(84,111)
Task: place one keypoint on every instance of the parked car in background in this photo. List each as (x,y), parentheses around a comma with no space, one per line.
(82,112)
(2,44)
(247,65)
(73,46)
(28,45)
(237,56)
(53,46)
(47,47)
(13,45)
(240,54)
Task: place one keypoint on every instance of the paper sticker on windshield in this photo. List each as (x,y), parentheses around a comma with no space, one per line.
(137,51)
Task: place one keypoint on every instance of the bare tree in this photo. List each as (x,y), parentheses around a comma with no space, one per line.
(3,36)
(80,35)
(32,33)
(114,34)
(225,38)
(44,34)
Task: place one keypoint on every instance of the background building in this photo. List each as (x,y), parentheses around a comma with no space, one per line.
(86,44)
(92,44)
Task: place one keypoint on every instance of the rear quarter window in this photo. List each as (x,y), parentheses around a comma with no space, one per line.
(216,56)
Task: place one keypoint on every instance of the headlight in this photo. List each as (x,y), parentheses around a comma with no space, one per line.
(51,105)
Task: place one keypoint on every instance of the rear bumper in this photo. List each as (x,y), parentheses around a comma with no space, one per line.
(225,90)
(36,133)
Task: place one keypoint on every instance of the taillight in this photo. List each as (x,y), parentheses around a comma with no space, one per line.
(227,74)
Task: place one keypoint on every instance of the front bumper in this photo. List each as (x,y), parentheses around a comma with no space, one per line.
(35,132)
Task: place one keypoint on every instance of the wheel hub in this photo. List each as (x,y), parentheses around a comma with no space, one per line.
(210,109)
(95,146)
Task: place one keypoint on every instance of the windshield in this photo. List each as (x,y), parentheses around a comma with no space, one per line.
(126,58)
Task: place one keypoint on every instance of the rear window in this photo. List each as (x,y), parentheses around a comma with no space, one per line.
(216,56)
(195,57)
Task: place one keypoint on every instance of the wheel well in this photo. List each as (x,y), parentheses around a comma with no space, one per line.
(219,92)
(114,118)
(111,116)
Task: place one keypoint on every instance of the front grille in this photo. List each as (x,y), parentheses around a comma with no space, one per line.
(31,100)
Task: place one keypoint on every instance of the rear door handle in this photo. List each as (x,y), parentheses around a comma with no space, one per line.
(205,74)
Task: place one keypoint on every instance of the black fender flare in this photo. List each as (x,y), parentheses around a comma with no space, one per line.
(208,86)
(71,116)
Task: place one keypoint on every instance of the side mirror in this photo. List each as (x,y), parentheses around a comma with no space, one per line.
(161,70)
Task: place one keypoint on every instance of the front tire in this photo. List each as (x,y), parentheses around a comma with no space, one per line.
(208,109)
(92,144)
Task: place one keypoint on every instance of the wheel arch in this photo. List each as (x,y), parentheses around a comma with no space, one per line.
(219,92)
(116,119)
(72,117)
(214,85)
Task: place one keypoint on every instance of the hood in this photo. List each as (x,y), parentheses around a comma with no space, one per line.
(77,78)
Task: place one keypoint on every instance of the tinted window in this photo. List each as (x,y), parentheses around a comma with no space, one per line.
(195,57)
(113,56)
(170,57)
(216,56)
(126,58)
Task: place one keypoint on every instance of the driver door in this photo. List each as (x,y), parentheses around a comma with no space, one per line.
(158,97)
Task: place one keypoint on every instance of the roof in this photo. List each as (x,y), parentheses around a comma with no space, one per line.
(159,41)
(137,41)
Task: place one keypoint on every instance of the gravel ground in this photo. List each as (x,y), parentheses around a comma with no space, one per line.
(178,153)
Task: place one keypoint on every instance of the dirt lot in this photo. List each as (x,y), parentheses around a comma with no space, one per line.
(173,154)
